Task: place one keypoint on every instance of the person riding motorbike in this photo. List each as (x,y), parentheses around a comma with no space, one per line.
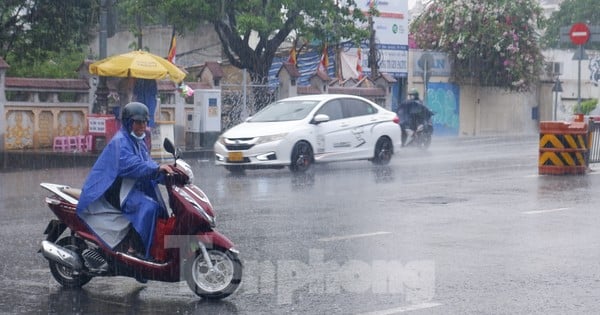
(120,200)
(412,113)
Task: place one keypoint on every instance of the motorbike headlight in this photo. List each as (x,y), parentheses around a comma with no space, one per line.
(271,138)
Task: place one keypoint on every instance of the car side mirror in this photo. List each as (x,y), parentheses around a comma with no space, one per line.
(320,118)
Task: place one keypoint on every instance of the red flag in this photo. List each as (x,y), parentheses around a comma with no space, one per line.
(172,49)
(359,64)
(292,58)
(324,64)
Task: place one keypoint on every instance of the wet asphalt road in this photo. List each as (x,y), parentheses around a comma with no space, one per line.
(466,228)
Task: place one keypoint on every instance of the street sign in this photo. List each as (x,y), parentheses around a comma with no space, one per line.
(579,33)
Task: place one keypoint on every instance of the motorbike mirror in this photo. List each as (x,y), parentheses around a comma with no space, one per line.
(168,145)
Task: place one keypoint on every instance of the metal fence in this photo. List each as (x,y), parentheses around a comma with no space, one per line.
(241,101)
(594,139)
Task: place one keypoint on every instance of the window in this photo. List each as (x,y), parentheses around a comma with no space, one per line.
(333,109)
(354,108)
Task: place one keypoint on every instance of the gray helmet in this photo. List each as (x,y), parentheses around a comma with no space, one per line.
(135,111)
(414,92)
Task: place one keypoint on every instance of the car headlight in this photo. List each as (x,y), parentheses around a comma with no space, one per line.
(271,138)
(221,140)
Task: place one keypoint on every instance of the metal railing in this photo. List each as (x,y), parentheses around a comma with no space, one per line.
(594,140)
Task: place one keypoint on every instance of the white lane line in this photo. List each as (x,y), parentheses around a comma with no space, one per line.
(545,211)
(403,309)
(347,237)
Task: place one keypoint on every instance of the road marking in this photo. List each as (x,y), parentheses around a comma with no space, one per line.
(347,237)
(545,211)
(403,309)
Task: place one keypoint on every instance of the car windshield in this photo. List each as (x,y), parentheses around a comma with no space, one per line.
(284,111)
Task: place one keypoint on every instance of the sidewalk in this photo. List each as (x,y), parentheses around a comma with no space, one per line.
(15,160)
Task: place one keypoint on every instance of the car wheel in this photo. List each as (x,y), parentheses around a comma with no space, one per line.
(383,151)
(302,157)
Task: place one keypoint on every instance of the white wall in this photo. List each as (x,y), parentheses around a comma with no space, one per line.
(588,88)
(197,47)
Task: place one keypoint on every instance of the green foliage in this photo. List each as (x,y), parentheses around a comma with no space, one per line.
(571,12)
(586,107)
(490,42)
(55,65)
(38,36)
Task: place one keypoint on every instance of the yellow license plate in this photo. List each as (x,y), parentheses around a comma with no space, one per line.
(236,157)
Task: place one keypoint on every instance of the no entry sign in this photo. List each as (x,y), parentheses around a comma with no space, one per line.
(579,33)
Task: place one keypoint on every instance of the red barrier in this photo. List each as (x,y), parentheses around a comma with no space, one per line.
(564,148)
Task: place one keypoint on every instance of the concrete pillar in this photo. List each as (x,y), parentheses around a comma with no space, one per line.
(3,67)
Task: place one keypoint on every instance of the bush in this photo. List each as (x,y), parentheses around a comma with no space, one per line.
(586,107)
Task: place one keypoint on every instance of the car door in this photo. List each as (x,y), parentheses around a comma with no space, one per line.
(359,117)
(333,135)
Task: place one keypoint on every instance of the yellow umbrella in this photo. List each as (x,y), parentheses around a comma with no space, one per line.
(137,64)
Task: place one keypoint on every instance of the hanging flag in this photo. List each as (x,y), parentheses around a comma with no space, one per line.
(292,58)
(359,64)
(324,64)
(172,48)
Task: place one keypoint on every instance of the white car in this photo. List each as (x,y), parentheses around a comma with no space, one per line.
(299,131)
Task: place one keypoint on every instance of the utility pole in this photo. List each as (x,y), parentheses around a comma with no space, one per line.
(372,50)
(102,89)
(138,21)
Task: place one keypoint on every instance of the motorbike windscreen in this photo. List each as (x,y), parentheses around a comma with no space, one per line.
(284,111)
(187,169)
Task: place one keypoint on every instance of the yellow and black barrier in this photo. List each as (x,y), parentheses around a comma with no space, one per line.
(564,148)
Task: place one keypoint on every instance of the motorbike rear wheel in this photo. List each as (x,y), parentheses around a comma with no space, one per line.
(66,276)
(425,141)
(217,282)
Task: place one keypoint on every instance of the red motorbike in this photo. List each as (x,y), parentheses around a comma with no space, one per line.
(186,246)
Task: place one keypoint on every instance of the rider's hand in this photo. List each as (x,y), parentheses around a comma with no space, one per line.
(164,168)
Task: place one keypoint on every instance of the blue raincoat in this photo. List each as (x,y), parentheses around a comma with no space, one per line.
(141,203)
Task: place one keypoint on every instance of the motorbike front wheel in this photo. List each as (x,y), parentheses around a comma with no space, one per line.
(66,276)
(217,282)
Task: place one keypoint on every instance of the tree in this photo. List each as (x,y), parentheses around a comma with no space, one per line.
(489,42)
(35,34)
(251,31)
(569,13)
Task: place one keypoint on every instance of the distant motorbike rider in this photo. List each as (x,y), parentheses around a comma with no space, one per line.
(412,113)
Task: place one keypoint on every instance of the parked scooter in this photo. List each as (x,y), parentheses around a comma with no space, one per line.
(186,245)
(421,138)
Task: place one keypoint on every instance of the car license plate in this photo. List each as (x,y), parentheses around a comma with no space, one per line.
(236,157)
